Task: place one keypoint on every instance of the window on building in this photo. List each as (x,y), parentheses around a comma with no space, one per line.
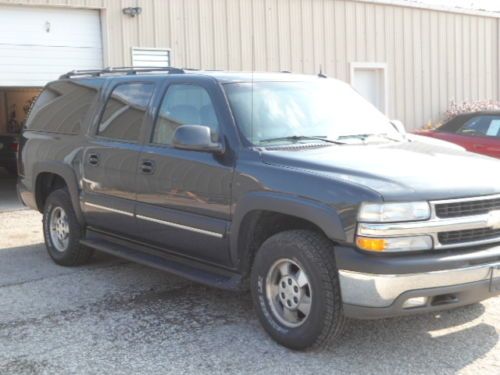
(151,57)
(184,105)
(124,113)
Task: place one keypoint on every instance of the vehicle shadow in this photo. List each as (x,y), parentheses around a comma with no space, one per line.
(8,195)
(31,262)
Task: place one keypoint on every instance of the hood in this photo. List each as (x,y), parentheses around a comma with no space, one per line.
(412,170)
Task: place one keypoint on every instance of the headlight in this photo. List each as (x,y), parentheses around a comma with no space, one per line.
(394,212)
(394,244)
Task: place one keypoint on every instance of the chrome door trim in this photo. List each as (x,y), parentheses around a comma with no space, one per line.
(105,208)
(180,226)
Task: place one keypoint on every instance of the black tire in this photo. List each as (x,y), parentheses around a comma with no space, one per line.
(74,254)
(315,255)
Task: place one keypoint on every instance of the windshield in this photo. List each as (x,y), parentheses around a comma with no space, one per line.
(288,112)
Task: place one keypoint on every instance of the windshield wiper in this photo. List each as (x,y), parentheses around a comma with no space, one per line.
(365,136)
(296,138)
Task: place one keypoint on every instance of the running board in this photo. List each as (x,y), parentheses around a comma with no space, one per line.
(200,273)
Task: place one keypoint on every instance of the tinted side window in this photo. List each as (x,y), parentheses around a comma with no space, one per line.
(125,110)
(486,126)
(62,106)
(454,124)
(184,105)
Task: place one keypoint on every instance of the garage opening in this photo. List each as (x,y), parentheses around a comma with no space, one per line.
(37,45)
(15,103)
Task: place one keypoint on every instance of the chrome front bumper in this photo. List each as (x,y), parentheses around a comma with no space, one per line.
(377,285)
(368,295)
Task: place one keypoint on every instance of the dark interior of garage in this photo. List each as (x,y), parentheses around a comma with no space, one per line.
(14,107)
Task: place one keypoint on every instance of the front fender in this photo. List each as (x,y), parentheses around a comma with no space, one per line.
(323,216)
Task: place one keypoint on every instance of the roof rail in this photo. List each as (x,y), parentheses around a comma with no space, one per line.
(126,70)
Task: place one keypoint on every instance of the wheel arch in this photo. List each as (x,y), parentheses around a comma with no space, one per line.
(53,169)
(307,214)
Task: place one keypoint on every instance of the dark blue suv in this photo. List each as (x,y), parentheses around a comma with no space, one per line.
(291,186)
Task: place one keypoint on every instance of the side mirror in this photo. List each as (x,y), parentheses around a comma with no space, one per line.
(398,125)
(196,138)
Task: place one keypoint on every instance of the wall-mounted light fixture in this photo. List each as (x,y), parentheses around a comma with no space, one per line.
(132,12)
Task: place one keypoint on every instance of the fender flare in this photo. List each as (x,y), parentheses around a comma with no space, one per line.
(321,215)
(69,177)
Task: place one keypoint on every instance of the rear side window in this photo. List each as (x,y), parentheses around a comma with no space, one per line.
(124,113)
(62,107)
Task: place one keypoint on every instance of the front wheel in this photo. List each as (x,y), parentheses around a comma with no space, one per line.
(296,291)
(62,231)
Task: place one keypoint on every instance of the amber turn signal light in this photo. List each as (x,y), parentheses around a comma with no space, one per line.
(371,244)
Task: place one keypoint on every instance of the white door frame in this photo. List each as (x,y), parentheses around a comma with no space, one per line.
(373,66)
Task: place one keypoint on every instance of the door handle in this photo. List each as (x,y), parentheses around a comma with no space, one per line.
(148,167)
(93,159)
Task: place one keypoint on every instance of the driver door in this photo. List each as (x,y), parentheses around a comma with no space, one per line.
(183,196)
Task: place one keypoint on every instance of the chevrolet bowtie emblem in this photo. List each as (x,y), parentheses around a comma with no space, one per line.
(494,220)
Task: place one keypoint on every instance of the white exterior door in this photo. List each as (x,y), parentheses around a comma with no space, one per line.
(37,45)
(370,81)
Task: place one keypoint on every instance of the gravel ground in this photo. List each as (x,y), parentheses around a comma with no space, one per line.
(114,317)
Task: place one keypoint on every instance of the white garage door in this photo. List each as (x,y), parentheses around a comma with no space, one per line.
(37,45)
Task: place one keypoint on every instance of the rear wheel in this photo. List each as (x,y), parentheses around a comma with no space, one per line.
(62,231)
(296,290)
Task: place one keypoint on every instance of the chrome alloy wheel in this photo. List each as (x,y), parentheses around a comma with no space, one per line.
(289,292)
(59,229)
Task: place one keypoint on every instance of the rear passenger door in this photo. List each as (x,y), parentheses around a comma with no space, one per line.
(183,200)
(110,161)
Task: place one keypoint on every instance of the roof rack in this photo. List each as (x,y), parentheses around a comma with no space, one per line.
(120,70)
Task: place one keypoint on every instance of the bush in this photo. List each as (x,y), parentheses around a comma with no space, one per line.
(456,109)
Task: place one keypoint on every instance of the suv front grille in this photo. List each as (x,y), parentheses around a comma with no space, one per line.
(467,208)
(474,209)
(469,235)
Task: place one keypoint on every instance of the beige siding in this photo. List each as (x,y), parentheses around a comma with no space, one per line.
(432,56)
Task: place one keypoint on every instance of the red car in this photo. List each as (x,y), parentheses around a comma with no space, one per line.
(477,132)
